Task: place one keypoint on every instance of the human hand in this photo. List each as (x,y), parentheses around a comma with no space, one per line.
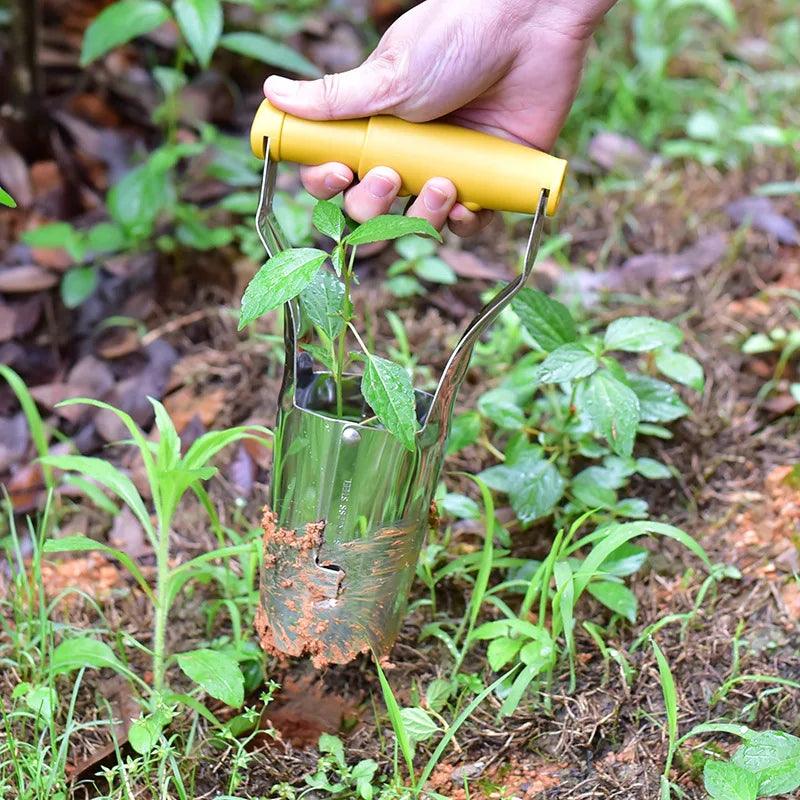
(508,67)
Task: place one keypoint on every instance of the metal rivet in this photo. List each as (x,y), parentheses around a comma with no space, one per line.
(351,436)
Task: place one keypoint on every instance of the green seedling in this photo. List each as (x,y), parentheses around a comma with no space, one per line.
(786,344)
(324,296)
(418,261)
(6,199)
(170,476)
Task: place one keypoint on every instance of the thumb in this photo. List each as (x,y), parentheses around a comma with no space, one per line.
(361,92)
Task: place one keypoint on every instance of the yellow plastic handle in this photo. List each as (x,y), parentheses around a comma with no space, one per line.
(488,172)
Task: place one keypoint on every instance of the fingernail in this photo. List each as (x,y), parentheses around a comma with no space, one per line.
(379,186)
(336,181)
(433,198)
(281,86)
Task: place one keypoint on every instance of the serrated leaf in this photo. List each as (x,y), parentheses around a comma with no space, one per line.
(613,409)
(390,226)
(546,320)
(658,401)
(616,596)
(418,723)
(681,368)
(724,780)
(567,363)
(216,673)
(119,23)
(438,693)
(329,220)
(775,757)
(387,389)
(283,277)
(640,334)
(323,303)
(74,654)
(268,51)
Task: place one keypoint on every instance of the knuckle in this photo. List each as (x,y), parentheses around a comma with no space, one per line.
(331,93)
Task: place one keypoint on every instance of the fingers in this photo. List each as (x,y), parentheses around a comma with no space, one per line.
(464,222)
(326,180)
(372,196)
(435,201)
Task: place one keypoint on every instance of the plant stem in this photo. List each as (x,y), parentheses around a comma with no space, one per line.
(348,316)
(162,612)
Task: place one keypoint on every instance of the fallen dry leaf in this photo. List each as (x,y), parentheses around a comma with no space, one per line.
(14,439)
(184,405)
(617,153)
(790,594)
(93,574)
(467,265)
(761,213)
(15,176)
(127,534)
(26,278)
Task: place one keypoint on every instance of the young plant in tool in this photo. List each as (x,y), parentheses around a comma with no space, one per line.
(325,297)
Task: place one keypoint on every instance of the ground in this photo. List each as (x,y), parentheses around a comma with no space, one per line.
(659,237)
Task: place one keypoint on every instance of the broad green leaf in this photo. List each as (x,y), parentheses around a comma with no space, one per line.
(413,247)
(613,410)
(465,430)
(546,320)
(105,237)
(624,561)
(104,473)
(77,285)
(775,757)
(434,270)
(590,492)
(200,22)
(405,286)
(438,693)
(218,674)
(74,654)
(6,199)
(119,23)
(502,650)
(639,334)
(419,724)
(328,219)
(652,469)
(42,701)
(323,303)
(333,745)
(567,363)
(136,201)
(387,389)
(390,226)
(759,343)
(53,235)
(724,780)
(501,407)
(681,368)
(616,596)
(460,506)
(268,51)
(658,401)
(145,732)
(283,277)
(540,653)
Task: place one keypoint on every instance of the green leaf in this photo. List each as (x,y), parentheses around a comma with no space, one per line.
(625,560)
(218,674)
(589,491)
(460,506)
(119,23)
(77,285)
(501,407)
(670,694)
(390,226)
(502,650)
(136,201)
(200,22)
(268,51)
(42,701)
(6,199)
(333,745)
(639,334)
(418,723)
(329,220)
(435,270)
(52,236)
(658,401)
(387,389)
(613,409)
(283,277)
(464,431)
(652,469)
(323,303)
(517,691)
(145,732)
(105,237)
(413,247)
(539,654)
(726,781)
(546,320)
(438,693)
(775,757)
(681,368)
(619,598)
(567,363)
(74,654)
(404,286)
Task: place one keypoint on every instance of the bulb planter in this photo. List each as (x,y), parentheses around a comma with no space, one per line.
(350,504)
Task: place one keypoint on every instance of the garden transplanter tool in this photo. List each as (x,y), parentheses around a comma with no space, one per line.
(350,505)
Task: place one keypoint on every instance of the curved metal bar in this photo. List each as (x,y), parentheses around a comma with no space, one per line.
(456,368)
